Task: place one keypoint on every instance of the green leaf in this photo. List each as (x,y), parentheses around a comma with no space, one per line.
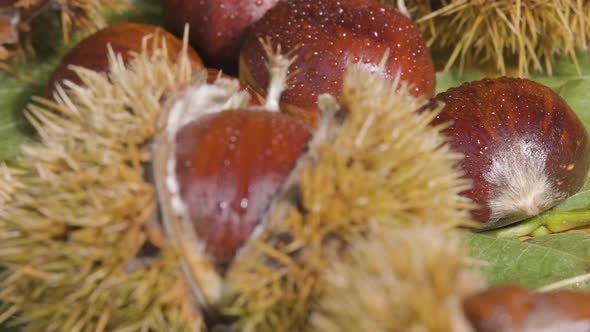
(534,263)
(579,201)
(575,92)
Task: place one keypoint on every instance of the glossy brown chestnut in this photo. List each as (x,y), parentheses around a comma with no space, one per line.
(525,149)
(124,38)
(330,34)
(216,26)
(515,309)
(229,165)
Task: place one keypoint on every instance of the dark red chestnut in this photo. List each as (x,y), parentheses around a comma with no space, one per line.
(330,34)
(229,165)
(525,149)
(124,38)
(216,26)
(515,309)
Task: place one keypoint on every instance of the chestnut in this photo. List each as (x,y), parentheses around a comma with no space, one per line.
(229,165)
(227,158)
(329,35)
(525,149)
(216,26)
(515,309)
(125,39)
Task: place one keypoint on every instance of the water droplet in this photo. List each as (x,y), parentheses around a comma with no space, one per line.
(244,203)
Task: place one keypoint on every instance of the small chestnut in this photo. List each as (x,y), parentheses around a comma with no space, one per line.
(124,38)
(329,35)
(525,149)
(515,309)
(216,26)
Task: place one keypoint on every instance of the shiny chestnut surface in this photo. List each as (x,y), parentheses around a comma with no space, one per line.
(216,26)
(523,146)
(92,52)
(515,309)
(330,34)
(229,166)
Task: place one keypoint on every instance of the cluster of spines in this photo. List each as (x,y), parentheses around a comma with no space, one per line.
(376,160)
(76,220)
(525,35)
(394,281)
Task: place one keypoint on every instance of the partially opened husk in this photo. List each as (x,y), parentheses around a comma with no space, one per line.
(512,36)
(374,160)
(80,244)
(80,223)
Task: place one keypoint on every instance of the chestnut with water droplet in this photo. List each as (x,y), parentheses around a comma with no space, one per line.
(229,166)
(525,149)
(124,39)
(330,34)
(216,26)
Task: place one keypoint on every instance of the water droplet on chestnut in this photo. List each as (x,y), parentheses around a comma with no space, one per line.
(525,149)
(345,31)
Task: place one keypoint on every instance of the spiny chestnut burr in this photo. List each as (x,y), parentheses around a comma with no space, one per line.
(125,39)
(515,309)
(98,191)
(331,34)
(216,26)
(525,149)
(482,33)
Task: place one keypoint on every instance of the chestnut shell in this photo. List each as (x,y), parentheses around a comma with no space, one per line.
(513,308)
(216,26)
(507,125)
(92,52)
(229,166)
(330,34)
